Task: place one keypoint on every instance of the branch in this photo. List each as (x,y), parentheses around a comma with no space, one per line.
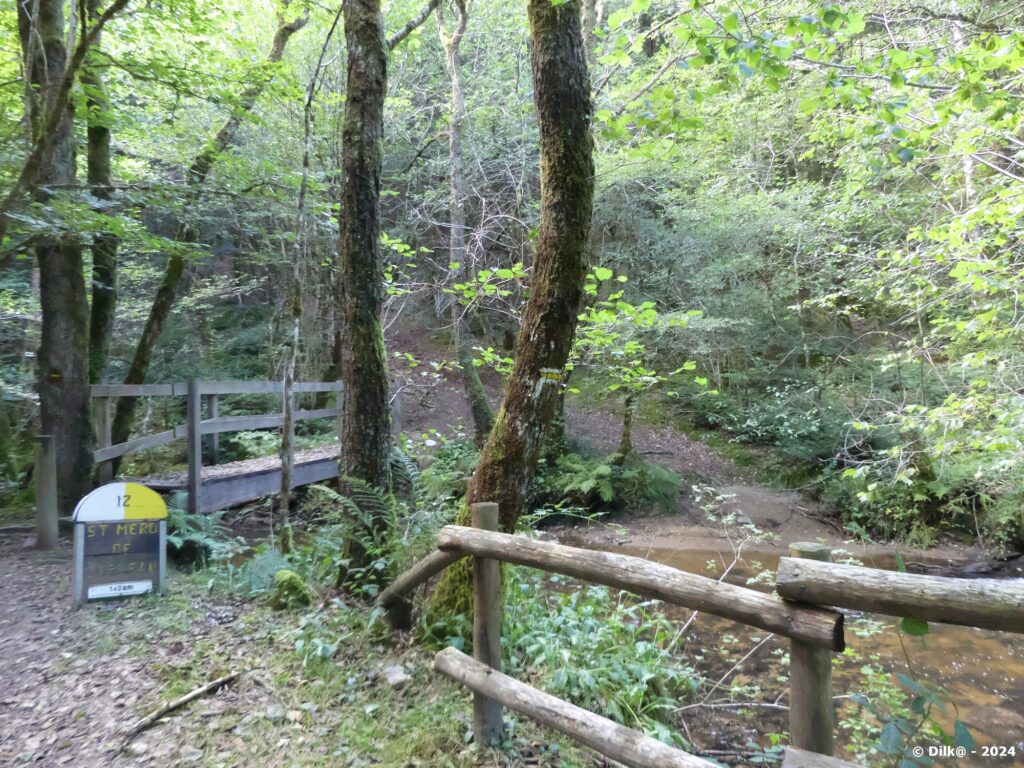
(44,143)
(178,703)
(395,40)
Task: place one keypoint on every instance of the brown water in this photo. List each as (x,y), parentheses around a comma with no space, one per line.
(982,670)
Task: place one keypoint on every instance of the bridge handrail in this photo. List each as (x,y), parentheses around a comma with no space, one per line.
(197,428)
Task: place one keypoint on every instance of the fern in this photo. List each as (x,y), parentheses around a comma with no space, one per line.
(194,538)
(405,477)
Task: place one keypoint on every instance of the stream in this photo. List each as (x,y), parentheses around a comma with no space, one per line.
(982,670)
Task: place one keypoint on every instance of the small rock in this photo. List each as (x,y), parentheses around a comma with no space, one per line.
(395,675)
(274,713)
(191,755)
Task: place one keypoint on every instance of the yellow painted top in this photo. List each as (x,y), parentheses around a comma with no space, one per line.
(120,501)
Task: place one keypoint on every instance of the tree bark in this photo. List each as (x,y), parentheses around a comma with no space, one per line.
(626,439)
(104,244)
(562,96)
(63,359)
(166,294)
(483,417)
(365,429)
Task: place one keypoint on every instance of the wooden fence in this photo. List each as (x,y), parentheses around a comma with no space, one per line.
(199,427)
(809,590)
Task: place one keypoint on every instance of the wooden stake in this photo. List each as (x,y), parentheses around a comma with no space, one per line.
(105,472)
(487,725)
(46,493)
(811,714)
(195,447)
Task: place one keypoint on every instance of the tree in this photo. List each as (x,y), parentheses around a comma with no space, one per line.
(458,254)
(195,177)
(366,421)
(562,97)
(104,244)
(63,364)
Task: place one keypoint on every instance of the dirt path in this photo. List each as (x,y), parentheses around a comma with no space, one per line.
(71,682)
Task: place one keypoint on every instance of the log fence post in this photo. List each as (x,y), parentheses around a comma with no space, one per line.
(487,712)
(811,712)
(195,446)
(46,493)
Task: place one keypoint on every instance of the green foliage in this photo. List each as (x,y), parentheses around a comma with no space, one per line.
(289,591)
(597,649)
(601,483)
(197,539)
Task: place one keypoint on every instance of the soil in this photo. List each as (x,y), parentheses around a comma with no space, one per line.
(72,682)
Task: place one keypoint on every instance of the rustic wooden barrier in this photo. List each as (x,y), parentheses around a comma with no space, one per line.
(200,394)
(612,740)
(486,626)
(985,603)
(811,712)
(815,626)
(806,582)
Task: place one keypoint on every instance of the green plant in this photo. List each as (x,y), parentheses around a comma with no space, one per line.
(604,483)
(198,538)
(597,648)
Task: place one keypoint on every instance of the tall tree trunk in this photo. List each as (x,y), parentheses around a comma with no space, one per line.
(104,244)
(63,359)
(483,417)
(509,459)
(166,294)
(365,429)
(287,453)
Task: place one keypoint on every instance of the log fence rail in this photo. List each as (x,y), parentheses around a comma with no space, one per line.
(809,589)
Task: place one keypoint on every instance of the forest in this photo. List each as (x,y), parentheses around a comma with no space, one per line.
(714,285)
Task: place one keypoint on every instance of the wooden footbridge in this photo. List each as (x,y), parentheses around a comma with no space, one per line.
(218,486)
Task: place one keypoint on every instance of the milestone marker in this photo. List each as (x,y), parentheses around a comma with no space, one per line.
(120,543)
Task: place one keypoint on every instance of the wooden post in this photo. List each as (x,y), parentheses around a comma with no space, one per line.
(811,713)
(105,470)
(213,439)
(46,493)
(487,726)
(288,414)
(195,447)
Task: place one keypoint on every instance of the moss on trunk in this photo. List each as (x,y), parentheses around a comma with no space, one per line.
(63,359)
(562,95)
(366,423)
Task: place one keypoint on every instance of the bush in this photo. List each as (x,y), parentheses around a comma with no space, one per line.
(196,539)
(598,484)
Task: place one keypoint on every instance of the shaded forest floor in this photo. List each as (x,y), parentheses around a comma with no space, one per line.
(73,682)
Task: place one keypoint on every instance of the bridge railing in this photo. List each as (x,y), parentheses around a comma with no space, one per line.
(199,427)
(809,590)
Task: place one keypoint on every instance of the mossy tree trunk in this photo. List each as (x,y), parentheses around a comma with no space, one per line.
(63,359)
(104,244)
(626,439)
(198,171)
(366,422)
(509,459)
(483,417)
